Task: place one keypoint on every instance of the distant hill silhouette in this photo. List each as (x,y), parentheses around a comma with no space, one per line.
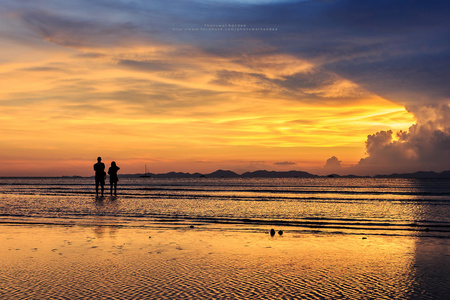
(231,174)
(289,174)
(420,174)
(275,174)
(222,174)
(176,175)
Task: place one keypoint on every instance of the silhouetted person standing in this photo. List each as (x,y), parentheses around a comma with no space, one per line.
(100,175)
(113,178)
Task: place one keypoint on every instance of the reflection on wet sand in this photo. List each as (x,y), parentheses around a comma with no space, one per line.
(196,263)
(105,231)
(431,268)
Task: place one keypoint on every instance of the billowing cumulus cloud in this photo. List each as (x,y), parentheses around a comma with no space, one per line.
(424,146)
(333,163)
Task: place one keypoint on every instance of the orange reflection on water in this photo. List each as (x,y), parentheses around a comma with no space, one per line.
(204,263)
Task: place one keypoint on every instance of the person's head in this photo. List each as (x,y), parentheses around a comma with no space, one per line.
(99,159)
(113,164)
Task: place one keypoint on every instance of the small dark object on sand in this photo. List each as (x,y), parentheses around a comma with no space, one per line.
(272,232)
(192,226)
(364,238)
(280,232)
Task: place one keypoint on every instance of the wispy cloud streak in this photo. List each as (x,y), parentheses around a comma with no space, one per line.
(84,75)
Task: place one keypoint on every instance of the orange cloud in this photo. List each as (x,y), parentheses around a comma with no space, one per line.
(175,106)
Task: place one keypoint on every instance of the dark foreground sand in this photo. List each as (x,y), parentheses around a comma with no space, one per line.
(58,262)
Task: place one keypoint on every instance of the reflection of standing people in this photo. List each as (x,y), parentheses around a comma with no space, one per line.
(100,175)
(113,178)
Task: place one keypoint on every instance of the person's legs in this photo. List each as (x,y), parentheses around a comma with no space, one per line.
(97,182)
(102,183)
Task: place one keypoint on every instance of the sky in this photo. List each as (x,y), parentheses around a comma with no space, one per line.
(326,86)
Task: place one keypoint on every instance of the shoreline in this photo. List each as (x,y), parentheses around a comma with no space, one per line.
(318,227)
(50,261)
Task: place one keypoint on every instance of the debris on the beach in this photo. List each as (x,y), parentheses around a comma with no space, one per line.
(364,238)
(192,226)
(280,232)
(272,232)
(149,237)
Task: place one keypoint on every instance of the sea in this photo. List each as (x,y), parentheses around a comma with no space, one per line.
(208,238)
(351,206)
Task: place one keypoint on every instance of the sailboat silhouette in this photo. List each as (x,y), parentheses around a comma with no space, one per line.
(147,173)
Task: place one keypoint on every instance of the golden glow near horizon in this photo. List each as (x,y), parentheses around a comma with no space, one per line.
(177,108)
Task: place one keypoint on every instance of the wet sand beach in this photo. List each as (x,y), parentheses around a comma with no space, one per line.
(108,262)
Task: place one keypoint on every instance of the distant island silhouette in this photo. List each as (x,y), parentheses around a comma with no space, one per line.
(286,174)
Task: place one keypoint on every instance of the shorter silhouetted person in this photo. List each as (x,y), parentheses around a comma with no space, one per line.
(113,178)
(100,175)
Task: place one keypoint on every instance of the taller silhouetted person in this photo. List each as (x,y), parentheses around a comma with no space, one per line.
(100,175)
(113,178)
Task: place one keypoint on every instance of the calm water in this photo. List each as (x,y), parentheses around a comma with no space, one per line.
(344,239)
(365,206)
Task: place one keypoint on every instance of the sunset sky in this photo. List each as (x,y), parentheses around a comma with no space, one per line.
(353,86)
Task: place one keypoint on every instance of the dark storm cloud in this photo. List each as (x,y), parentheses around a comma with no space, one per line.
(406,80)
(397,49)
(76,32)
